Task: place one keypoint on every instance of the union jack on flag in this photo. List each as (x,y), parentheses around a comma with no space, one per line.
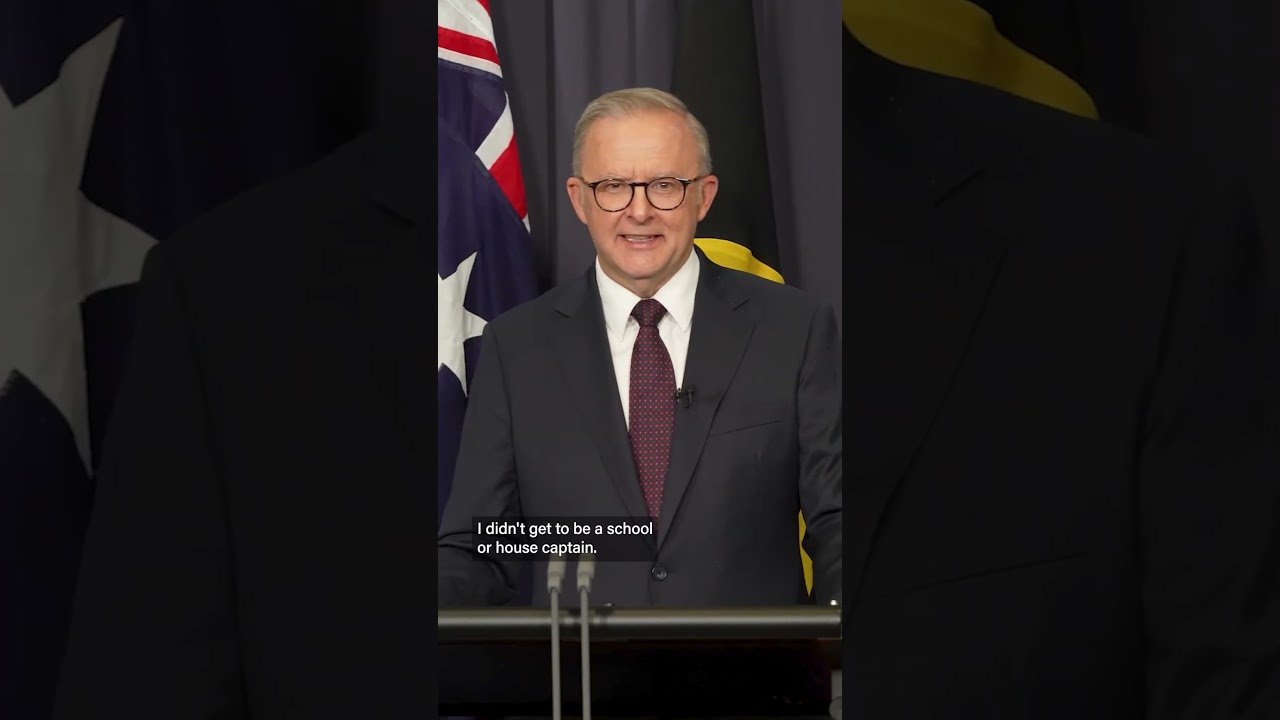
(485,257)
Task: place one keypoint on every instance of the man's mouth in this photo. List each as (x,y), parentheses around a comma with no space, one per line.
(640,239)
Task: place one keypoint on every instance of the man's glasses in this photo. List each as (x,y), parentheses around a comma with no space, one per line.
(664,193)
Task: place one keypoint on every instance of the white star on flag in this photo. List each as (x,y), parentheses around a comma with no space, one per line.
(57,247)
(457,323)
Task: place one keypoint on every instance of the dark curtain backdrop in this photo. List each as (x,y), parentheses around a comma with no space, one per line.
(559,54)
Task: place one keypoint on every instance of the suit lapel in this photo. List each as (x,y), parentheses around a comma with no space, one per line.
(389,294)
(923,255)
(716,344)
(583,352)
(909,322)
(379,286)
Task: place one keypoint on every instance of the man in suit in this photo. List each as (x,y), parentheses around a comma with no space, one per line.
(1064,494)
(263,533)
(656,385)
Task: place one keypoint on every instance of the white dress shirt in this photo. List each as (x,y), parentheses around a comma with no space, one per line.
(676,296)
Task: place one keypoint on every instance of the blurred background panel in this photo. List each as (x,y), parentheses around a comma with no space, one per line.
(1201,78)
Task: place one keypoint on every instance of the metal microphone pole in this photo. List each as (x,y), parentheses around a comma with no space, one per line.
(555,578)
(586,572)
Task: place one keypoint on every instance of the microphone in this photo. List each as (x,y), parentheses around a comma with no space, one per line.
(555,578)
(556,567)
(586,573)
(684,396)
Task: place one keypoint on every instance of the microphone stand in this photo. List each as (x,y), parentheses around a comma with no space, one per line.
(586,572)
(555,578)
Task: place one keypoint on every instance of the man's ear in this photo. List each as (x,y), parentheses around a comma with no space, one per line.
(708,186)
(577,193)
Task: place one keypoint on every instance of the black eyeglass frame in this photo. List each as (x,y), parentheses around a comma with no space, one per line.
(684,191)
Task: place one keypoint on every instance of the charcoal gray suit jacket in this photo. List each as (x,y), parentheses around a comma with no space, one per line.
(545,436)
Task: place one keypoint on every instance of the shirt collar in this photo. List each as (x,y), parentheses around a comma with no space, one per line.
(676,295)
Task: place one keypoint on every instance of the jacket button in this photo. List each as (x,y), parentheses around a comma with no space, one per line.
(658,572)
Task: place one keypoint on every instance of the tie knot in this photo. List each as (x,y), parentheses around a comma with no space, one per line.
(648,312)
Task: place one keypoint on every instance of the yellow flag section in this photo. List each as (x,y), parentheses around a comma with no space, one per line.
(959,39)
(736,257)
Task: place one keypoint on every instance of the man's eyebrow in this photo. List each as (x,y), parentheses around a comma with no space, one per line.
(624,176)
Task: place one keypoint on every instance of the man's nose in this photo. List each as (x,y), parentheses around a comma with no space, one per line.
(639,207)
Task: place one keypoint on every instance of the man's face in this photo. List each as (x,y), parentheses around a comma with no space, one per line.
(640,247)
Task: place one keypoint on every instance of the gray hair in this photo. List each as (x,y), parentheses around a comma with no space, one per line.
(620,103)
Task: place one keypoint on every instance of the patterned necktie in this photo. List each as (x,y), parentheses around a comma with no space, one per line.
(653,406)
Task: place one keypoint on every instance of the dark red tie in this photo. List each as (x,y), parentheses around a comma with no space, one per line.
(653,404)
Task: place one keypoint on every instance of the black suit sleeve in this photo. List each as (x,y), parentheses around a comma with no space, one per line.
(153,633)
(484,486)
(820,421)
(1209,486)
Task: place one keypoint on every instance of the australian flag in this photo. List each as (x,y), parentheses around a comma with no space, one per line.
(120,122)
(485,255)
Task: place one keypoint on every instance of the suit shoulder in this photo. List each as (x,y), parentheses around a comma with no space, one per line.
(530,316)
(788,300)
(1031,138)
(276,221)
